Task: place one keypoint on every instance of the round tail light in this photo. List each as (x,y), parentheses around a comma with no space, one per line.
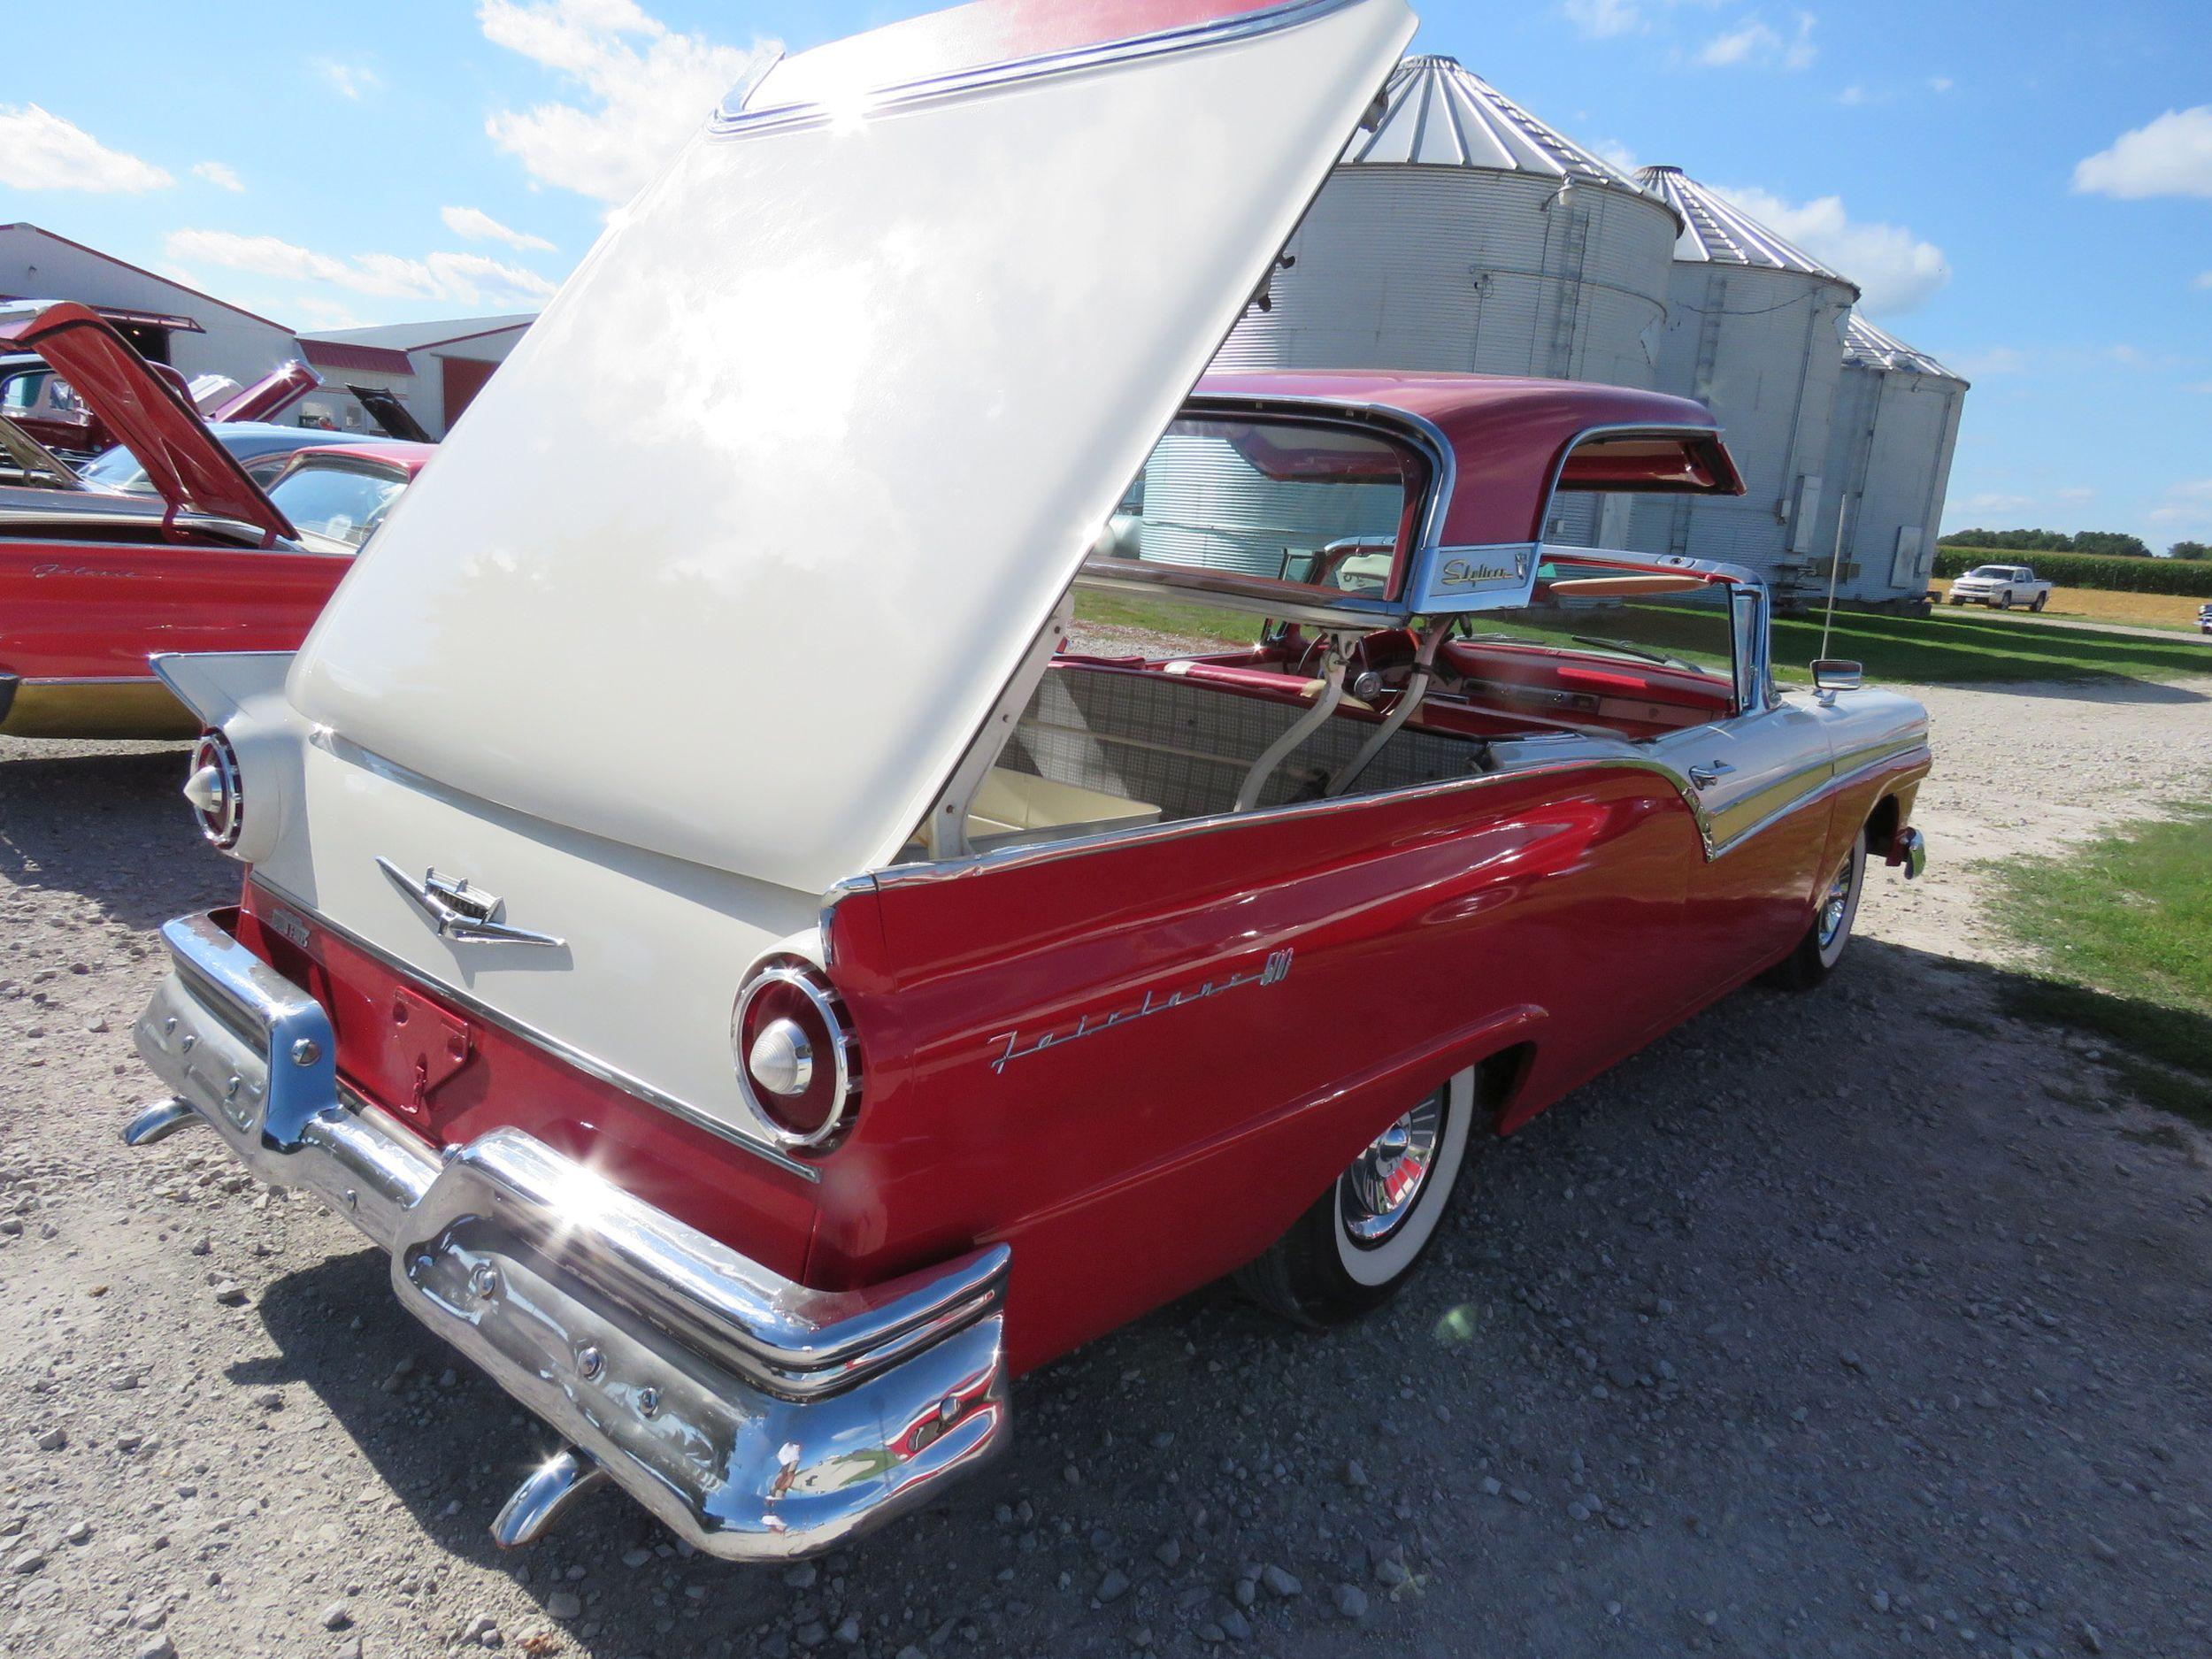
(796,1060)
(213,787)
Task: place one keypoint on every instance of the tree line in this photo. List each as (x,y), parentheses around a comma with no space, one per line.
(2105,541)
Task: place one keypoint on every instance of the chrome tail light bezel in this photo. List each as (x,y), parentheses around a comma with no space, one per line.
(837,1050)
(219,804)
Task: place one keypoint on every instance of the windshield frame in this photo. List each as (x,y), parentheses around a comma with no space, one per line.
(1301,601)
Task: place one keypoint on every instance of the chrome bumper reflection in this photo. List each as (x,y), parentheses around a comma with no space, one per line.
(757,1418)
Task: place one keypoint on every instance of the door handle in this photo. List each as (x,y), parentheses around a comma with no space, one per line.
(1706,776)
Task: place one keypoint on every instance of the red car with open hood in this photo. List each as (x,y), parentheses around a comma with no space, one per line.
(93,583)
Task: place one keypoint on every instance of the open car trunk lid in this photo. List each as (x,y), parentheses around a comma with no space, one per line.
(146,414)
(734,556)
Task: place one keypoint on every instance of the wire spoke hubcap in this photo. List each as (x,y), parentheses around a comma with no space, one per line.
(1385,1182)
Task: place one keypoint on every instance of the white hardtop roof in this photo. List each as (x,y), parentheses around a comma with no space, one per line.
(736,554)
(1716,231)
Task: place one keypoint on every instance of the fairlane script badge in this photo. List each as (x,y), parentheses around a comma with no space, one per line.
(1274,970)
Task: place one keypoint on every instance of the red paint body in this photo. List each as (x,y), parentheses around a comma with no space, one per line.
(92,585)
(1133,1165)
(1137,1062)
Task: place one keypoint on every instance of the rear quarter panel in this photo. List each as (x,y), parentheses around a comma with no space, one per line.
(1140,1063)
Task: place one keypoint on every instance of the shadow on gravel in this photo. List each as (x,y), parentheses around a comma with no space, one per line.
(1823,1318)
(109,825)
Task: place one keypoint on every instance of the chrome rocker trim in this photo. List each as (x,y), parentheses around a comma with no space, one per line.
(758,1419)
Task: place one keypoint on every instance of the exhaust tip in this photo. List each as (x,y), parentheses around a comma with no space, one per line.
(544,1497)
(158,1122)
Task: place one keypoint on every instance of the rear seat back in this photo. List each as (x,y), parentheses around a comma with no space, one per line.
(1186,746)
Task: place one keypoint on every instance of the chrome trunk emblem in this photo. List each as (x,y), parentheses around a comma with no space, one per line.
(466,915)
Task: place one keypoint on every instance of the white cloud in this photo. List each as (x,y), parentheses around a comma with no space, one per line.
(1995,501)
(2203,281)
(326,312)
(356,80)
(2078,493)
(1896,268)
(218,175)
(39,150)
(1615,151)
(1940,83)
(2172,156)
(473,224)
(2187,505)
(466,278)
(645,89)
(1602,20)
(1756,43)
(1997,360)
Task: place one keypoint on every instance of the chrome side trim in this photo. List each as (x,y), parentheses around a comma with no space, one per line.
(1837,782)
(736,118)
(758,1418)
(1040,852)
(566,1053)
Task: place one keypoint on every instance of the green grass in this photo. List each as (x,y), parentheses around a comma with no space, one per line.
(1159,616)
(2120,931)
(1948,648)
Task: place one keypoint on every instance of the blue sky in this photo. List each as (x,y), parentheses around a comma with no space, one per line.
(2025,188)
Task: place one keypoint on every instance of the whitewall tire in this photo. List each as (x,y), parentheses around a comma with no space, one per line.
(1361,1241)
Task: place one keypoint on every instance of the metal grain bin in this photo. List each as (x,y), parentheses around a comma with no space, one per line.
(1461,233)
(1895,430)
(1752,331)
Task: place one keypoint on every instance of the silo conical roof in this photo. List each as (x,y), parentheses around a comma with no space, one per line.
(1716,231)
(1438,113)
(1872,348)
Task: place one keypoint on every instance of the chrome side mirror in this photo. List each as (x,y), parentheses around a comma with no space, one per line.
(1833,674)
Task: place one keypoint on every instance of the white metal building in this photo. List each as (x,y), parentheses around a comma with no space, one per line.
(434,368)
(196,332)
(1461,233)
(1752,328)
(1895,427)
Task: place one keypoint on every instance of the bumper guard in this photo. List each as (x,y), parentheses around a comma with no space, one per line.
(758,1419)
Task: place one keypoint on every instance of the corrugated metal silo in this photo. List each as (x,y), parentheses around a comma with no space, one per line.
(1895,427)
(1752,331)
(1461,233)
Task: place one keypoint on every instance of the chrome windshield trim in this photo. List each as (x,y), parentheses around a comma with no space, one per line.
(1296,602)
(567,1053)
(736,118)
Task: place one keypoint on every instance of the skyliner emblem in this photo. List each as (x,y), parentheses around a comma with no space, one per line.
(1274,970)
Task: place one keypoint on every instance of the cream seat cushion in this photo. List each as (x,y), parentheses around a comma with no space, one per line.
(1012,807)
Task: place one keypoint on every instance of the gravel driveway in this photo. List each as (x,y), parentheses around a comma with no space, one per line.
(1831,1325)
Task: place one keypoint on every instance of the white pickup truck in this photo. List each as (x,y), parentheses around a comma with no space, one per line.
(2003,586)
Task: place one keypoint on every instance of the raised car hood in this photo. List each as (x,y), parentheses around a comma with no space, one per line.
(735,555)
(270,395)
(145,414)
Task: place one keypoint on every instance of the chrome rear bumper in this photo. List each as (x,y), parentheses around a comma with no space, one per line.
(759,1419)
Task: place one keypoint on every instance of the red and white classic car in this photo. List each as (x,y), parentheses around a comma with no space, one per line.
(94,581)
(766,989)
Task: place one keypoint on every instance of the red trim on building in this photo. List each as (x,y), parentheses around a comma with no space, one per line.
(351,359)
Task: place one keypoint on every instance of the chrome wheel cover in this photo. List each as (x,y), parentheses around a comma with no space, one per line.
(1379,1191)
(1835,909)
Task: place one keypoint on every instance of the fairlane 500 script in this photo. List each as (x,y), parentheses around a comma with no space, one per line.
(1274,970)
